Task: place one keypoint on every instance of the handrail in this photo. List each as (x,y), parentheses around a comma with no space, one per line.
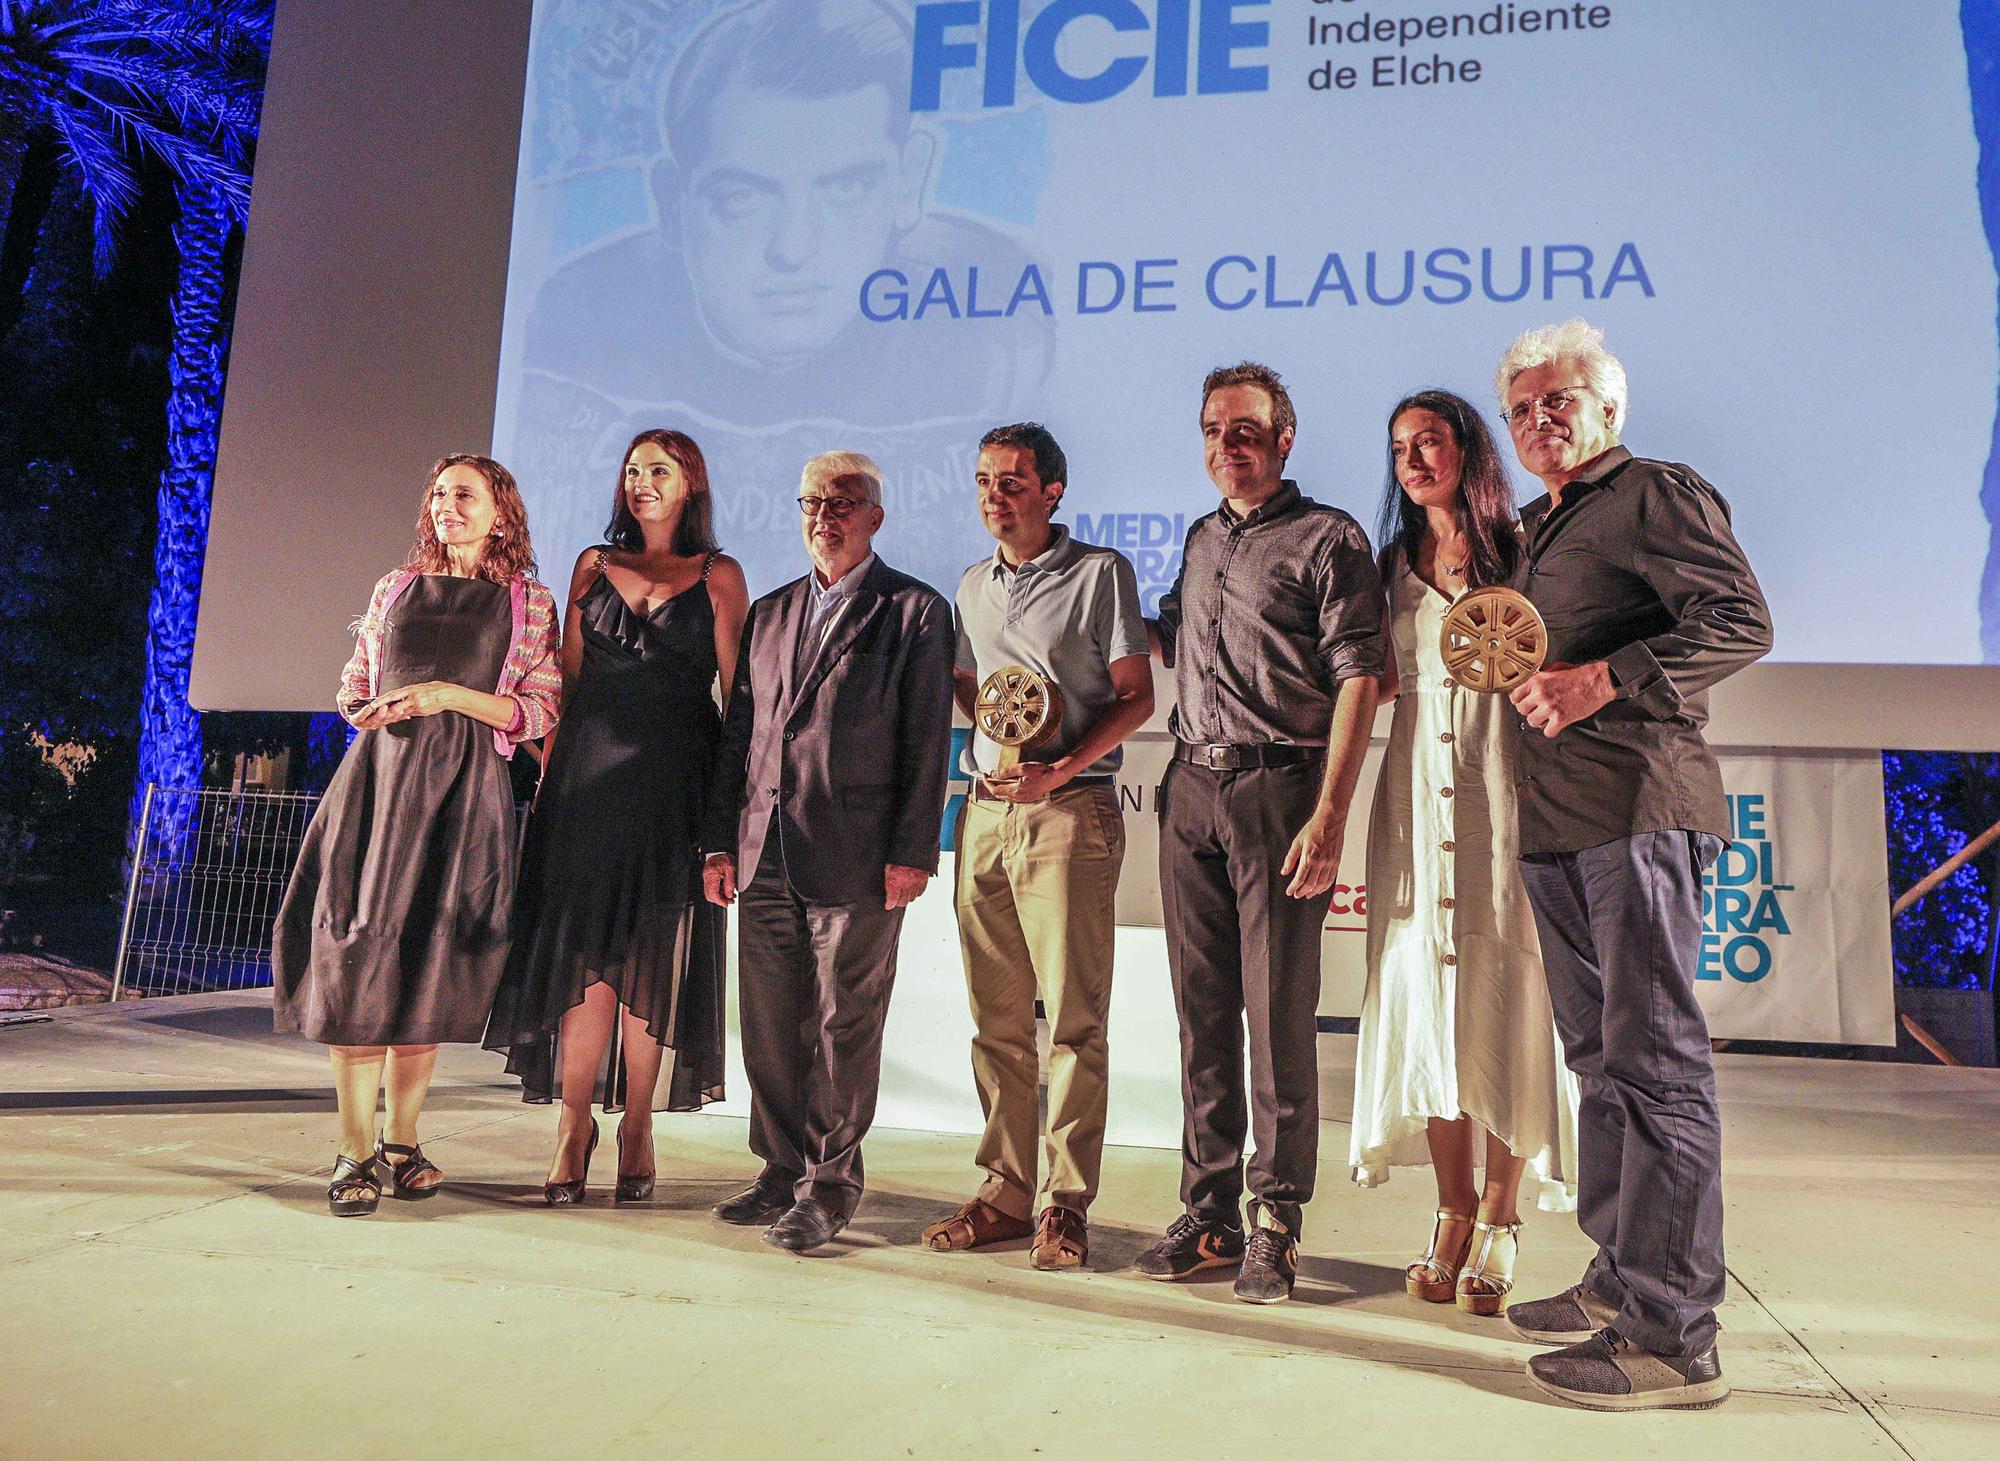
(1922,889)
(1929,881)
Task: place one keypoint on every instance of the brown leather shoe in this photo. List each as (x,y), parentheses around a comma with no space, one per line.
(974,1225)
(1062,1239)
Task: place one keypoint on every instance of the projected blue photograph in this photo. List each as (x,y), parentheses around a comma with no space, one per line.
(787,226)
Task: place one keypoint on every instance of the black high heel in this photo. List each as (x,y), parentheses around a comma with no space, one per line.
(356,1188)
(567,1194)
(414,1164)
(636,1187)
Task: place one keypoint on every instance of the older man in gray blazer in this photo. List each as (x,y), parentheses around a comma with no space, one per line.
(830,790)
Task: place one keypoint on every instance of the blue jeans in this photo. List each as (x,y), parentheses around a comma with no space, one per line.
(1620,926)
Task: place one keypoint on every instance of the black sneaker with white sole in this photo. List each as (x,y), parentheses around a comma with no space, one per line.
(1270,1267)
(1190,1247)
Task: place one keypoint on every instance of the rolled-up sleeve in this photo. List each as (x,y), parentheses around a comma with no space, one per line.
(1688,555)
(1353,643)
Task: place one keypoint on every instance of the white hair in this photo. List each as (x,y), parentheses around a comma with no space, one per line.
(830,466)
(1577,340)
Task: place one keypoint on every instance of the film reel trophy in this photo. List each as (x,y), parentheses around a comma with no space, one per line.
(1018,710)
(1493,639)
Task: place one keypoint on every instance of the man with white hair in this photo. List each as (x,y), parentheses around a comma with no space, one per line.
(1648,601)
(829,792)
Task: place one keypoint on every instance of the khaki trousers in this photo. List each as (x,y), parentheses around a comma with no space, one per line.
(1036,884)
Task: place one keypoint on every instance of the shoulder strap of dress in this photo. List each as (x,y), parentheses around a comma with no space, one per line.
(603,558)
(708,563)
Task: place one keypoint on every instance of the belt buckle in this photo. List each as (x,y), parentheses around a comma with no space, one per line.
(1217,758)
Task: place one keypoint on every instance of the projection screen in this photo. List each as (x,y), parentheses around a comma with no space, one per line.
(791,225)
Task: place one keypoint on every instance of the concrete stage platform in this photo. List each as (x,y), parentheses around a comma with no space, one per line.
(173,1286)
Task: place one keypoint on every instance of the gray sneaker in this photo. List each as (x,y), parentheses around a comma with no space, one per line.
(1609,1372)
(1569,1318)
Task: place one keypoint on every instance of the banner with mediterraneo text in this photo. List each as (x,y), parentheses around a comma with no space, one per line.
(1795,911)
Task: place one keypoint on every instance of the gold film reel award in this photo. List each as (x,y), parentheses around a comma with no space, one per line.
(1493,639)
(1018,709)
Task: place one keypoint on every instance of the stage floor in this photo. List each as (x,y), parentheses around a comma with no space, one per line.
(174,1287)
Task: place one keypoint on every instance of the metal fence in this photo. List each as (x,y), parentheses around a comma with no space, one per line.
(207,875)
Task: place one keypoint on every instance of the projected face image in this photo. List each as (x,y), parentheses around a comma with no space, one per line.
(793,204)
(1427,457)
(1558,423)
(462,507)
(1245,454)
(655,485)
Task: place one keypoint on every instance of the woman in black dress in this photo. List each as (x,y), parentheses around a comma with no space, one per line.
(393,930)
(611,930)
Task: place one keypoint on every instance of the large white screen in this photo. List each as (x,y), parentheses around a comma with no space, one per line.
(1771,208)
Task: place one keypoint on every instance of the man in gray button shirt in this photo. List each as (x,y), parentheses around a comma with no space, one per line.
(1276,623)
(1039,848)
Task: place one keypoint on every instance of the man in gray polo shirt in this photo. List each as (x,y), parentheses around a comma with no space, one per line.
(1039,848)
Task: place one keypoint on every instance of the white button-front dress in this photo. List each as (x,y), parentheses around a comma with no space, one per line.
(1456,1017)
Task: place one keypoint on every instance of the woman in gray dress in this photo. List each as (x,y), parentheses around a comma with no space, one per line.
(394,928)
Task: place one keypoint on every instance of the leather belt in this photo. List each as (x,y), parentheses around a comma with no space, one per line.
(979,793)
(1240,758)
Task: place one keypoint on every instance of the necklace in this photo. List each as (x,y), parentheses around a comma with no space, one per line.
(1450,569)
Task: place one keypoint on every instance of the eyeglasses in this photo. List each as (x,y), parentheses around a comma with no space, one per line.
(836,508)
(1554,403)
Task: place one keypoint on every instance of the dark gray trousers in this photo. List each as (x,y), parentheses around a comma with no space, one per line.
(814,982)
(1620,926)
(1241,951)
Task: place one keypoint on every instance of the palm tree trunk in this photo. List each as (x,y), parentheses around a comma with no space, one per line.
(170,751)
(33,187)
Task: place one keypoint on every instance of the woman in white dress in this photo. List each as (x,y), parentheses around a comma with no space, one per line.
(1458,1047)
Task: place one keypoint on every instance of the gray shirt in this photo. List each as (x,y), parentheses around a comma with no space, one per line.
(1067,614)
(1271,612)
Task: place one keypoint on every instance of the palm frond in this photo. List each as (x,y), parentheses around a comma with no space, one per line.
(104,170)
(197,28)
(117,81)
(215,105)
(190,162)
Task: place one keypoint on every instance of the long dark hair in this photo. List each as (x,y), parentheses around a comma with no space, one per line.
(694,534)
(1485,494)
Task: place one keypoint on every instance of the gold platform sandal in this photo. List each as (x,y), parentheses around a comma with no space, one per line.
(1442,1281)
(1488,1275)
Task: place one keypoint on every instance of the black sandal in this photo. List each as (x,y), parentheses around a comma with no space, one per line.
(356,1188)
(414,1164)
